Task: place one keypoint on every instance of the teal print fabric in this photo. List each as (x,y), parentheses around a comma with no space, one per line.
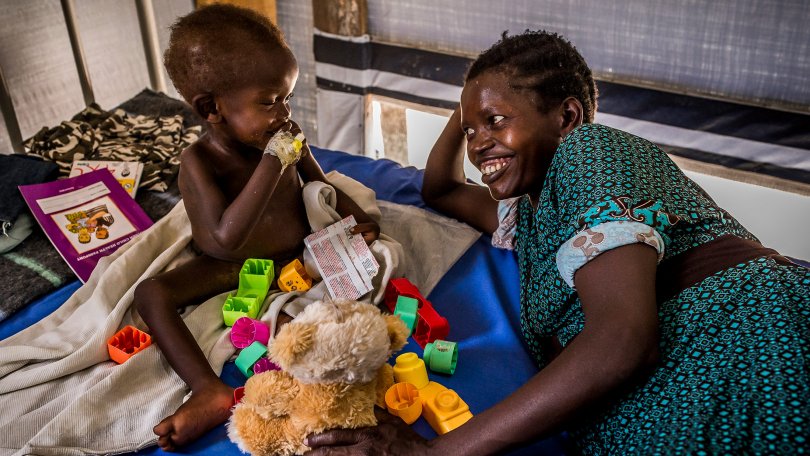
(733,373)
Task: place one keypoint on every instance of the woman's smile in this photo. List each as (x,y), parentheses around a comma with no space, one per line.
(493,169)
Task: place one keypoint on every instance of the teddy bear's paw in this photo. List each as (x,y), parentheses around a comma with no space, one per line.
(261,436)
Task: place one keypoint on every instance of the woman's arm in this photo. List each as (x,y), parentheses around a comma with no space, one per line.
(619,342)
(617,345)
(445,188)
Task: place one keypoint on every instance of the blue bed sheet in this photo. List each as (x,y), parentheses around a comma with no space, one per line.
(479,296)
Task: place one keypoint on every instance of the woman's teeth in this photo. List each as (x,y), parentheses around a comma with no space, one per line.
(492,166)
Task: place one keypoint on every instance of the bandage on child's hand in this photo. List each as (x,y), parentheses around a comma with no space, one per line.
(286,147)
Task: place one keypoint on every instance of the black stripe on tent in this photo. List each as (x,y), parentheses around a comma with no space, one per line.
(342,53)
(701,114)
(328,84)
(791,174)
(405,61)
(684,111)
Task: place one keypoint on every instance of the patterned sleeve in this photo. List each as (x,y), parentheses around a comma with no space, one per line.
(610,190)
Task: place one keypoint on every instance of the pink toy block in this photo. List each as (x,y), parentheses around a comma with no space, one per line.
(246,330)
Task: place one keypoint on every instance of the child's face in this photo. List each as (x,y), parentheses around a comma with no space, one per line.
(508,138)
(253,113)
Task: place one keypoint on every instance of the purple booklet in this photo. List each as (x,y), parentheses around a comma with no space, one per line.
(86,217)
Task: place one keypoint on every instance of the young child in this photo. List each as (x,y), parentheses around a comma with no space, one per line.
(234,68)
(675,331)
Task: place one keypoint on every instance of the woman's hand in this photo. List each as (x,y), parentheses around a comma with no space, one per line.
(369,230)
(391,437)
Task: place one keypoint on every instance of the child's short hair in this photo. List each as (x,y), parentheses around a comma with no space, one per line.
(545,63)
(208,47)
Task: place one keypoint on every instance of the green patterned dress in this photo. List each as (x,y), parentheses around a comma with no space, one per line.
(734,369)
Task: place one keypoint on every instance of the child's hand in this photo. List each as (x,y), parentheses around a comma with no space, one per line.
(370,231)
(293,127)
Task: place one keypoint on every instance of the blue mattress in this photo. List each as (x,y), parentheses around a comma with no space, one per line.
(485,323)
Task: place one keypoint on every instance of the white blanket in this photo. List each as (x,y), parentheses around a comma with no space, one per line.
(61,395)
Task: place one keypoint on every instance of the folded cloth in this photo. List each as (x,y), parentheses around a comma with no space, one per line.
(96,134)
(16,170)
(60,394)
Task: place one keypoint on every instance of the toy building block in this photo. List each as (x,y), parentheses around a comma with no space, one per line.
(402,400)
(429,325)
(249,356)
(237,307)
(400,287)
(293,277)
(408,368)
(238,394)
(126,342)
(255,279)
(406,308)
(264,365)
(442,408)
(441,356)
(246,330)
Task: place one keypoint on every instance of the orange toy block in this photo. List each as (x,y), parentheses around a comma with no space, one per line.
(126,343)
(293,277)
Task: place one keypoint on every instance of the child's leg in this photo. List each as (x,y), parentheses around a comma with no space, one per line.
(157,300)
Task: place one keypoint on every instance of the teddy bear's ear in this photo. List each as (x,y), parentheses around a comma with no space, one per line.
(397,331)
(293,340)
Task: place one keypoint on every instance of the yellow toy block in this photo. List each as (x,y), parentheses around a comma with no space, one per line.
(293,277)
(442,408)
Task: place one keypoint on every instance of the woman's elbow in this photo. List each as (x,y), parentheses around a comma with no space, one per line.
(428,196)
(646,358)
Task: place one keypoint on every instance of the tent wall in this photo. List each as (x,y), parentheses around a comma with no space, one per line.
(757,51)
(38,65)
(715,60)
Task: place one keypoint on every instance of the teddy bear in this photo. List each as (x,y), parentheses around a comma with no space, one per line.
(333,358)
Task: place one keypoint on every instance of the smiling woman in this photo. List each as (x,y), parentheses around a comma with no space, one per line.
(640,297)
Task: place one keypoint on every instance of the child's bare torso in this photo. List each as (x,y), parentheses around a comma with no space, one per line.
(280,230)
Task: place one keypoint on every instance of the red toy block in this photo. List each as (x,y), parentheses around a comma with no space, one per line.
(400,287)
(126,342)
(429,324)
(238,394)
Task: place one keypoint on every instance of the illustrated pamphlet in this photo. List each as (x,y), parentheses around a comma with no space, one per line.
(127,173)
(343,259)
(85,217)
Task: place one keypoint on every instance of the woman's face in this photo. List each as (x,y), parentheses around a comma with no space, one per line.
(508,138)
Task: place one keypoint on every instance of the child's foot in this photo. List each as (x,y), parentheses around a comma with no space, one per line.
(204,410)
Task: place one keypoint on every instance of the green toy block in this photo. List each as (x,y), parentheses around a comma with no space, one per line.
(237,307)
(406,309)
(255,279)
(248,357)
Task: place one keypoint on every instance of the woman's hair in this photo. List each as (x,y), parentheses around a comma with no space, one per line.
(543,62)
(210,48)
